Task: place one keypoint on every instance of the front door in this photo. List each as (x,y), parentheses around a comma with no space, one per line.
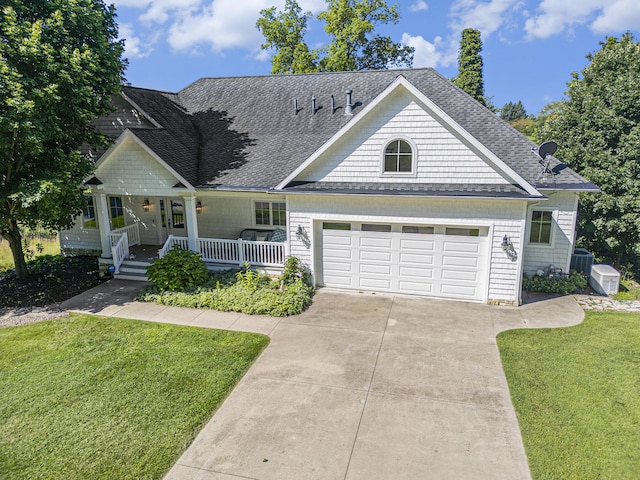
(172,218)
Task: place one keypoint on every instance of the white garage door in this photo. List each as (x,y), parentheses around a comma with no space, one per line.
(437,261)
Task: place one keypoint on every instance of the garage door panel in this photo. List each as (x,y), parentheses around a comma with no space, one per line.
(459,291)
(375,256)
(461,247)
(337,254)
(333,239)
(422,288)
(412,258)
(376,269)
(330,266)
(375,283)
(464,275)
(455,261)
(420,245)
(367,242)
(426,273)
(338,280)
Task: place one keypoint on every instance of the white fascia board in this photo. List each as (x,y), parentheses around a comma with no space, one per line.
(129,134)
(142,112)
(488,154)
(436,112)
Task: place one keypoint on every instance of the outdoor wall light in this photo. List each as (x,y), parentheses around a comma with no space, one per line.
(300,231)
(506,242)
(146,205)
(198,206)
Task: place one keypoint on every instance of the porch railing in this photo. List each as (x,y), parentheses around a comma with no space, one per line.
(132,231)
(233,252)
(183,242)
(120,251)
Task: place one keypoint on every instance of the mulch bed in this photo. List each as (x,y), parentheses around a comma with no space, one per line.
(50,282)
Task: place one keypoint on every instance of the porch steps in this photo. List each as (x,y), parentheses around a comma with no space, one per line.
(133,270)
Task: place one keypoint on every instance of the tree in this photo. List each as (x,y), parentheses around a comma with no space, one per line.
(353,44)
(284,32)
(598,130)
(60,63)
(470,65)
(513,111)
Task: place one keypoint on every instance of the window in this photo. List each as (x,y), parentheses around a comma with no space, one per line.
(336,226)
(271,213)
(116,212)
(374,227)
(417,229)
(398,157)
(541,222)
(464,232)
(89,214)
(177,213)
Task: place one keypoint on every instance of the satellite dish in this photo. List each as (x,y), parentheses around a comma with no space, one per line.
(547,148)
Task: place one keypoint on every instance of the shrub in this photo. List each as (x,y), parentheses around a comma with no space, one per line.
(554,283)
(178,270)
(243,291)
(294,271)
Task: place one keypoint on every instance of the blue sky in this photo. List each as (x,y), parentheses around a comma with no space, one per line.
(530,47)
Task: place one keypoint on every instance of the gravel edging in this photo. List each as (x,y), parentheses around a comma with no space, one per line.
(16,316)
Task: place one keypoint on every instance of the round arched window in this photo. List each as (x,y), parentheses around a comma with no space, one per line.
(398,157)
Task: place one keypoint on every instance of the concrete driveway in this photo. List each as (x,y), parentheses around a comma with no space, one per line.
(371,386)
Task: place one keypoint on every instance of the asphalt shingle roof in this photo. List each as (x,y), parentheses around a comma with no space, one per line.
(244,132)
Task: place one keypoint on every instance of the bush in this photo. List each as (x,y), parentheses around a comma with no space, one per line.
(178,270)
(554,283)
(244,291)
(294,271)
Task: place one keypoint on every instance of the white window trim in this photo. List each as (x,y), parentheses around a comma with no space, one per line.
(270,202)
(554,220)
(414,158)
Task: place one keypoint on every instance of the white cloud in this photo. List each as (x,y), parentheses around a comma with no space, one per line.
(418,6)
(602,16)
(484,16)
(219,24)
(428,54)
(134,46)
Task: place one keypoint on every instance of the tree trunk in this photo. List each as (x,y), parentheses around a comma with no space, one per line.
(15,243)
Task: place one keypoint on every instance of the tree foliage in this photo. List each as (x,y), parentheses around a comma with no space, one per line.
(284,32)
(60,63)
(513,111)
(470,65)
(598,130)
(350,25)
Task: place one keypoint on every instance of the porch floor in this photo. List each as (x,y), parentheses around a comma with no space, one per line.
(145,253)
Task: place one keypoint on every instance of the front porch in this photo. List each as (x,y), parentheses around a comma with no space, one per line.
(129,257)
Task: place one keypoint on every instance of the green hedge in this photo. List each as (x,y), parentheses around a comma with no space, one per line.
(563,284)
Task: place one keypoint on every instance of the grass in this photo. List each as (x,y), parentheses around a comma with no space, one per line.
(105,398)
(38,244)
(629,290)
(577,395)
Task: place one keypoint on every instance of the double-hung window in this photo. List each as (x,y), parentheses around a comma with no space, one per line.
(89,214)
(541,223)
(116,212)
(270,214)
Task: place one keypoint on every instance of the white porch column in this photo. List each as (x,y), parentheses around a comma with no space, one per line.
(102,213)
(192,221)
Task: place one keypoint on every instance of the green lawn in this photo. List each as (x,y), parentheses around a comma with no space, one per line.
(577,395)
(38,244)
(93,397)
